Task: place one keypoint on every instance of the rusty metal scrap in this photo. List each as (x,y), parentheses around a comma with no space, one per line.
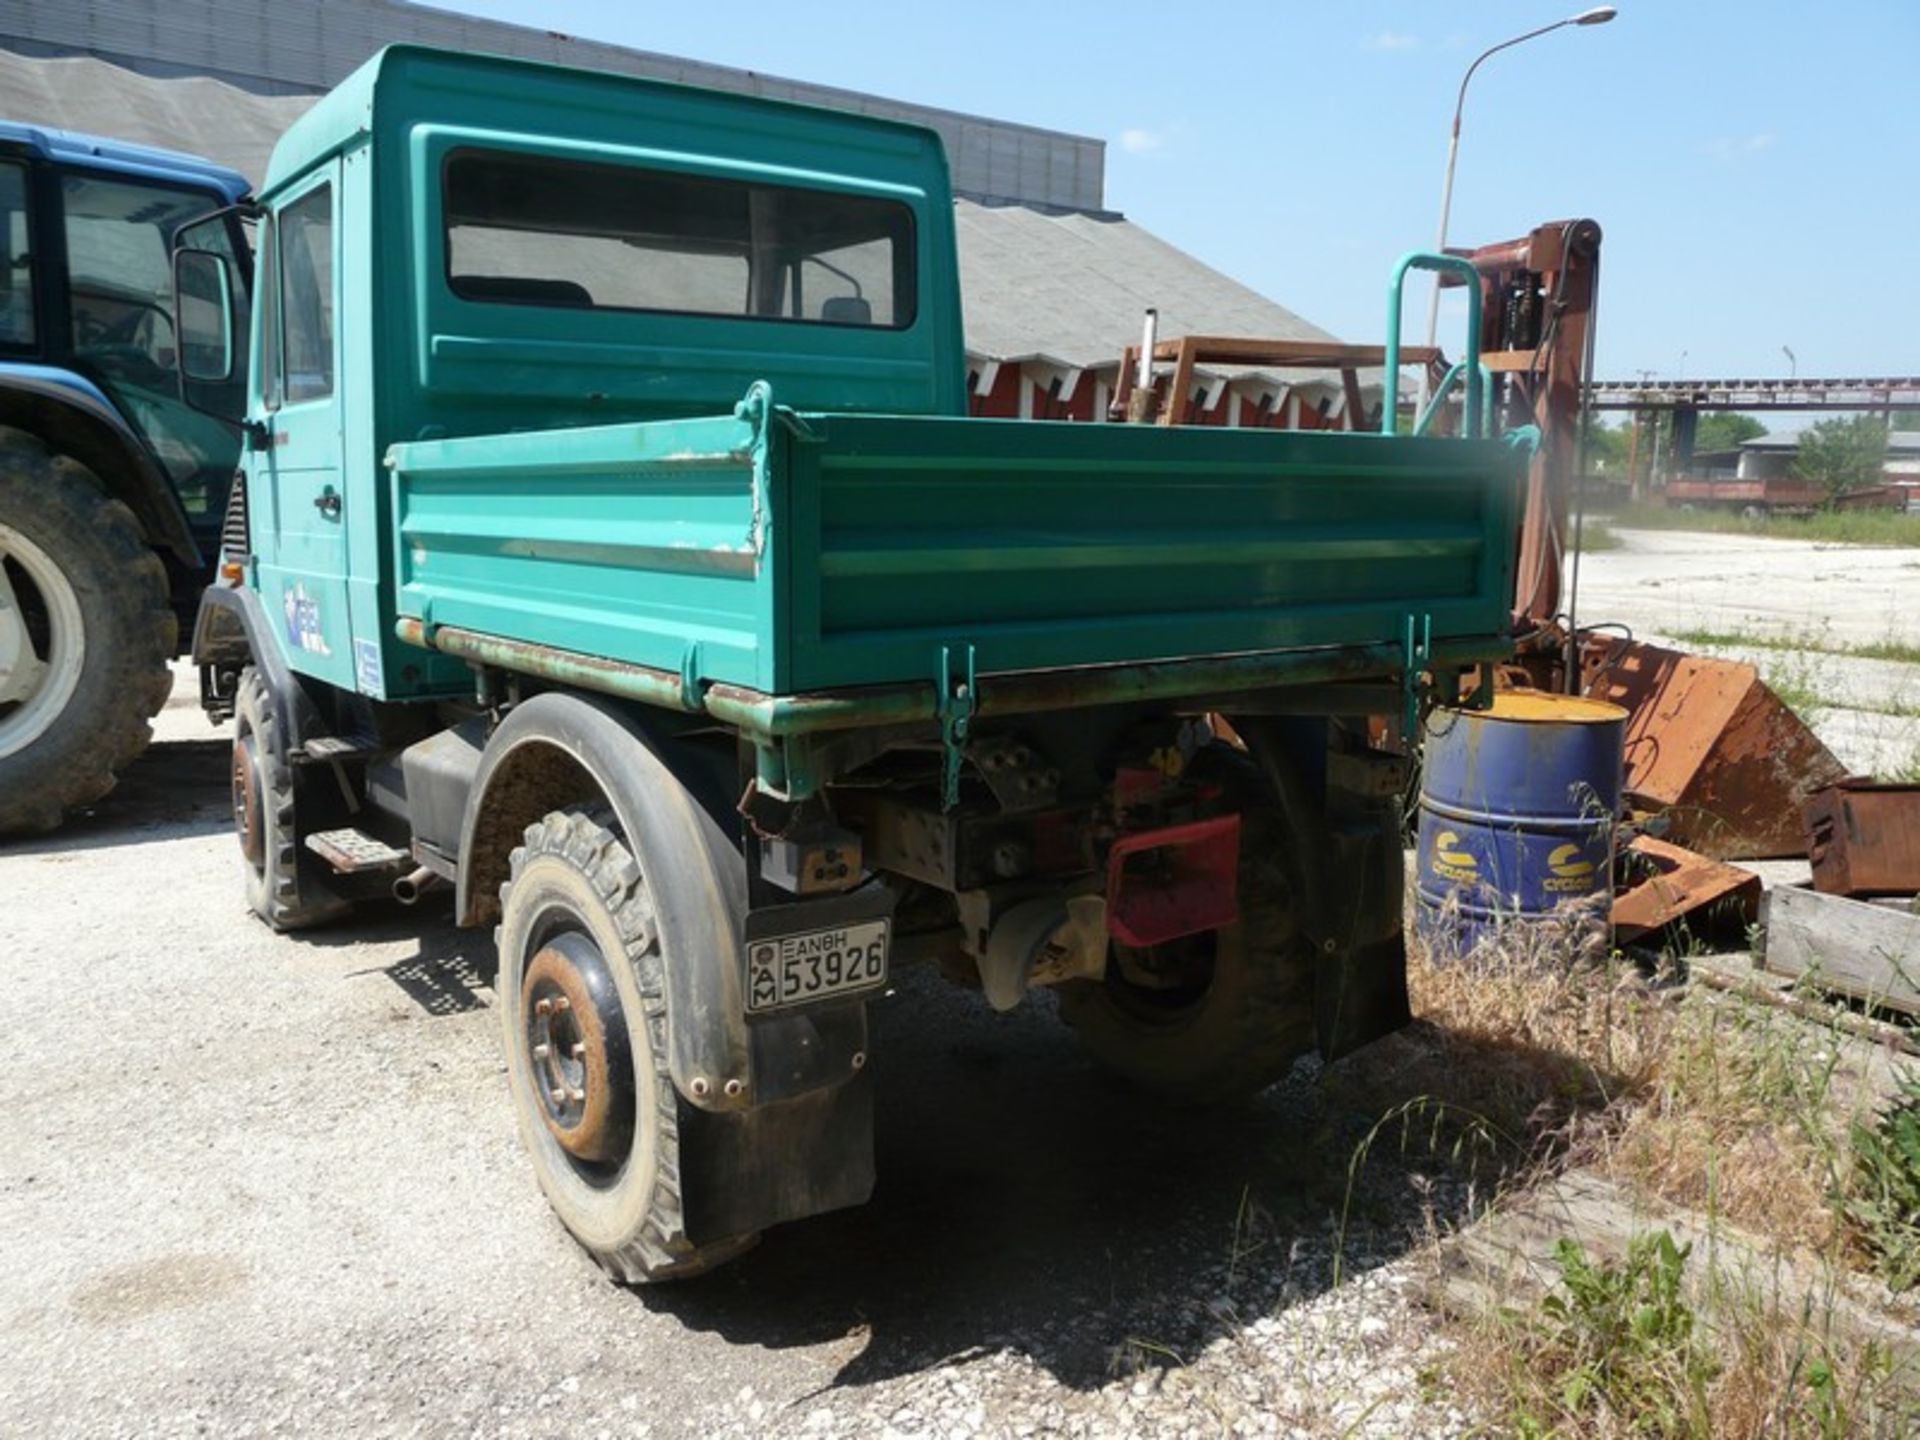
(1711,749)
(1670,885)
(1864,839)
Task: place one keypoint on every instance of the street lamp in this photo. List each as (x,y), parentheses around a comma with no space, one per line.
(1599,15)
(1792,360)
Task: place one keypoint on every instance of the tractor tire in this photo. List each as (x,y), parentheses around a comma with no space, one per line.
(283,884)
(1240,1011)
(86,632)
(583,1010)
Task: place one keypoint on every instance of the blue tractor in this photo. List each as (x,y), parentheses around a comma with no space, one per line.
(114,468)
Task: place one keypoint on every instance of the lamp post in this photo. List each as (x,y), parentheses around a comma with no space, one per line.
(1793,361)
(1599,15)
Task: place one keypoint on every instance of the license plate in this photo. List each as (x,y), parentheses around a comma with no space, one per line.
(785,970)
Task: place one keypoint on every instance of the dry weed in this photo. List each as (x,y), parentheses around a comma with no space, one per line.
(1737,1111)
(1740,1121)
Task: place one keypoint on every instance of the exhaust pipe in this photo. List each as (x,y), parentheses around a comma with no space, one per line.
(1041,941)
(409,888)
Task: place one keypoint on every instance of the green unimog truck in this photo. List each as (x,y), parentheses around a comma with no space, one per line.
(613,550)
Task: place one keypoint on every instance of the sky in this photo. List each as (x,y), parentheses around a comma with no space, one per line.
(1755,166)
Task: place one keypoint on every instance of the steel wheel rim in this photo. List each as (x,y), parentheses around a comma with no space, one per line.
(578,1053)
(45,665)
(246,804)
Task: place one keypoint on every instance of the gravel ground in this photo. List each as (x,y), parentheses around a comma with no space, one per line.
(1663,581)
(253,1184)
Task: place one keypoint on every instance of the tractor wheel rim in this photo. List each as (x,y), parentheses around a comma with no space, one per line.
(246,803)
(43,641)
(578,1051)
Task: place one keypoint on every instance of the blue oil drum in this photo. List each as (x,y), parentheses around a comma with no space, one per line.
(1517,808)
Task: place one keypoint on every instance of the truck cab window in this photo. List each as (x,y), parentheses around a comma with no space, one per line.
(532,230)
(16,259)
(303,242)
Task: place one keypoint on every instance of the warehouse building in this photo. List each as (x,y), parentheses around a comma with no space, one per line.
(1055,284)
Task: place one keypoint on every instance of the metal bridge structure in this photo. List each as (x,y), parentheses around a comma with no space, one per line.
(1886,395)
(1879,393)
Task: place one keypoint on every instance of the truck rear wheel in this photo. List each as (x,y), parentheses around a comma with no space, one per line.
(281,883)
(1225,1013)
(583,1011)
(85,636)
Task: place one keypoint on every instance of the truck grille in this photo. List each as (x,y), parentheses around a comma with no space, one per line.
(233,529)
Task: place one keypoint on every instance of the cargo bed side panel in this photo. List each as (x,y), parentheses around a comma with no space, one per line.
(1051,544)
(640,543)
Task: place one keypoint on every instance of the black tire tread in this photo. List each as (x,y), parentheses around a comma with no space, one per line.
(1272,1023)
(279,899)
(79,760)
(588,840)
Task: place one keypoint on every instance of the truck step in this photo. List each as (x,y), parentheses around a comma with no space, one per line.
(333,747)
(352,851)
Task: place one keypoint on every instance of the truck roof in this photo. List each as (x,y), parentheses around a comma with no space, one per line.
(345,113)
(123,157)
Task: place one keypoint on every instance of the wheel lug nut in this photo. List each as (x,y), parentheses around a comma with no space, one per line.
(540,1052)
(735,1088)
(561,1003)
(579,1049)
(558,1096)
(543,1007)
(577,1096)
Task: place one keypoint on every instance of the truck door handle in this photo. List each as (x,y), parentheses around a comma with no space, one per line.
(327,502)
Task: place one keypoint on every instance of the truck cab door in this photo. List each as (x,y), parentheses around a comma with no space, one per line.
(295,467)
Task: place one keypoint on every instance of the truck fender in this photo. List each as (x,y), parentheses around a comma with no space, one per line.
(796,1138)
(72,415)
(231,630)
(561,748)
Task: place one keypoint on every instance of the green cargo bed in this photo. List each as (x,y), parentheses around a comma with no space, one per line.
(788,553)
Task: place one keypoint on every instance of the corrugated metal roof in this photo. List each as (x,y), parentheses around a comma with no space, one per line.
(290,49)
(1074,287)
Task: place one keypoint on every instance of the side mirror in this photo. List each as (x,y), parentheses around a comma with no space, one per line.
(203,316)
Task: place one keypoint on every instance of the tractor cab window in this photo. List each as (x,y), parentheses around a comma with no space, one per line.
(16,259)
(534,230)
(120,236)
(120,275)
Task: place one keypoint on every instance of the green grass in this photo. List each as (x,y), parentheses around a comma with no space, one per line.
(1884,1207)
(1596,536)
(1904,652)
(1793,676)
(1848,527)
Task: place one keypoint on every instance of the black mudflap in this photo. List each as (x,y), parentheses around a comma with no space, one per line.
(780,1161)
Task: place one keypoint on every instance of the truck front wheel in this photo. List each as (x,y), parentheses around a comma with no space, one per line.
(583,1008)
(1225,1013)
(281,883)
(85,636)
